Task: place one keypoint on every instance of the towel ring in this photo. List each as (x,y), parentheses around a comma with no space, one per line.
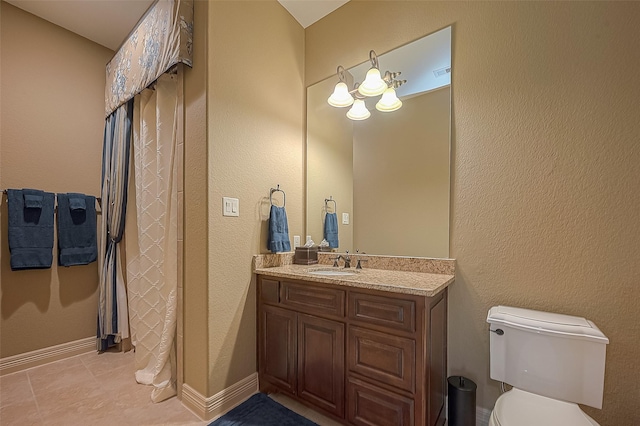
(284,196)
(330,200)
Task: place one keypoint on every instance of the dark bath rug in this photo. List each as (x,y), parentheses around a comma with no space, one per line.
(260,410)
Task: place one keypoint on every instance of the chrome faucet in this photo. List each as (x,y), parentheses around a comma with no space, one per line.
(347,259)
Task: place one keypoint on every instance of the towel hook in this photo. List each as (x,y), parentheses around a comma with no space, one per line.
(326,204)
(284,195)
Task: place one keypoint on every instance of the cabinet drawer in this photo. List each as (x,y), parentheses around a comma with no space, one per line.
(269,291)
(384,357)
(312,299)
(369,405)
(399,314)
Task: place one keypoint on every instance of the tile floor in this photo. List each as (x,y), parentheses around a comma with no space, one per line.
(98,389)
(90,389)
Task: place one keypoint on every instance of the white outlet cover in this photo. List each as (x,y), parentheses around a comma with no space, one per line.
(345,218)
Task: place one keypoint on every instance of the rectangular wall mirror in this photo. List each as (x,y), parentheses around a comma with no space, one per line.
(389,175)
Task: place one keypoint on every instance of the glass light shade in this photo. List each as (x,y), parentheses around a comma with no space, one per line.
(340,97)
(373,84)
(358,111)
(389,101)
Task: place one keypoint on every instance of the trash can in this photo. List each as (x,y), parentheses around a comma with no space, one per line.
(462,401)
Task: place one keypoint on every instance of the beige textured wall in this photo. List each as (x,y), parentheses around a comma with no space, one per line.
(51,138)
(329,164)
(194,341)
(401,178)
(545,165)
(255,142)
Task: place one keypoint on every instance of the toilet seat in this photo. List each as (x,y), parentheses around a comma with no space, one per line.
(520,408)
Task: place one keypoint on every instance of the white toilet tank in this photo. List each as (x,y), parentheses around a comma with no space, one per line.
(553,355)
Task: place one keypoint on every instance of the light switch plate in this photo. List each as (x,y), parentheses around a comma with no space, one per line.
(230,206)
(345,218)
(296,241)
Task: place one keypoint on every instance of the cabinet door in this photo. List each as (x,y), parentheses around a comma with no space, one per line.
(277,347)
(321,363)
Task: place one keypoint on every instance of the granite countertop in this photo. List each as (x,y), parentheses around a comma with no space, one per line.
(417,283)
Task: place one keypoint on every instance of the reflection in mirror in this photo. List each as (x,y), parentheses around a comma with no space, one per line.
(389,174)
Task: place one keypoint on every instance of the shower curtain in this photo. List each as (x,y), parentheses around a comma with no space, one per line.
(151,237)
(112,299)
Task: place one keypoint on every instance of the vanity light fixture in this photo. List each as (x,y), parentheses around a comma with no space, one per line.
(358,111)
(373,85)
(341,97)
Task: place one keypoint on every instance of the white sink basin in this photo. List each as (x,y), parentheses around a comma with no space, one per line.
(331,272)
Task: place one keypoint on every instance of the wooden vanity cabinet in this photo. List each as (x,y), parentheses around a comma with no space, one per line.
(301,334)
(365,357)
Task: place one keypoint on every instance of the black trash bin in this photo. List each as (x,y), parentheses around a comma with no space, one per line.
(462,401)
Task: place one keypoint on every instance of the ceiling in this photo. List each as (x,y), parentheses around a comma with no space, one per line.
(109,22)
(307,12)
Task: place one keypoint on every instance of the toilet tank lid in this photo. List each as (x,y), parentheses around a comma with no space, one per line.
(528,319)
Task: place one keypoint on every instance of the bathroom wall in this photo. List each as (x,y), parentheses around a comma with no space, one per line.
(52,121)
(193,343)
(545,165)
(255,102)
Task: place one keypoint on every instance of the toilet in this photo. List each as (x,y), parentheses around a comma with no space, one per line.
(554,362)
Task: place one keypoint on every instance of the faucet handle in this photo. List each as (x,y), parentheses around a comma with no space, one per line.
(335,260)
(358,265)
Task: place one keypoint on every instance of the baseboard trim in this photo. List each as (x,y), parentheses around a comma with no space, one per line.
(215,406)
(482,416)
(15,363)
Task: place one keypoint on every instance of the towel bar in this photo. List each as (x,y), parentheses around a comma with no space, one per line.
(98,199)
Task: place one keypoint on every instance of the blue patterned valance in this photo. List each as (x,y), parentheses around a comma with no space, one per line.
(161,39)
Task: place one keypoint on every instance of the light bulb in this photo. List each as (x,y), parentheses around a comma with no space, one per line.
(373,84)
(340,97)
(389,101)
(358,111)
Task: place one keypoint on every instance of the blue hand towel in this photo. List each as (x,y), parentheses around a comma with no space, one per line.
(76,202)
(331,229)
(30,228)
(77,234)
(278,239)
(32,201)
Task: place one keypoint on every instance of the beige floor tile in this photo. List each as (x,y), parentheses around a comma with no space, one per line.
(58,375)
(98,389)
(89,411)
(61,383)
(291,404)
(23,413)
(84,392)
(169,412)
(321,420)
(15,388)
(106,362)
(303,410)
